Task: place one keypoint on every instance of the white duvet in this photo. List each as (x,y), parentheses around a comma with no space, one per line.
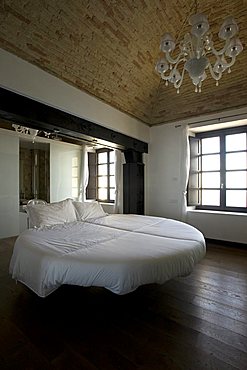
(118,252)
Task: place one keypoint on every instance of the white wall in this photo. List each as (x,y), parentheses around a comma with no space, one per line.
(165,192)
(28,80)
(9,188)
(164,171)
(227,226)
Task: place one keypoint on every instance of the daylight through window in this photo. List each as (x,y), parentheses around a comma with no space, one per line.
(105,175)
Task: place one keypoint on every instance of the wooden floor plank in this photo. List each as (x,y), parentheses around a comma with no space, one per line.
(226,329)
(215,293)
(209,265)
(209,303)
(230,286)
(160,332)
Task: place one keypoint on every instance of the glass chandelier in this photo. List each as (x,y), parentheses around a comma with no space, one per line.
(30,131)
(26,131)
(198,54)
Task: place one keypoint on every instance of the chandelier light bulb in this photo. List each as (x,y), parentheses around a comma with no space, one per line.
(199,24)
(167,43)
(228,29)
(197,52)
(234,48)
(162,66)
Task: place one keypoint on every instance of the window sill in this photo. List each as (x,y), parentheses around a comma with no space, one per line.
(206,211)
(107,204)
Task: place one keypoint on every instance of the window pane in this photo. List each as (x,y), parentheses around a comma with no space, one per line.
(112,156)
(75,162)
(210,197)
(102,169)
(236,161)
(75,172)
(102,157)
(112,169)
(102,181)
(74,182)
(236,198)
(236,179)
(112,194)
(211,145)
(210,162)
(236,142)
(102,193)
(211,180)
(112,182)
(74,193)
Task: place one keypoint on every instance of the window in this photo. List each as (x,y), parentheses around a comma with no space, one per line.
(218,172)
(75,177)
(105,160)
(101,185)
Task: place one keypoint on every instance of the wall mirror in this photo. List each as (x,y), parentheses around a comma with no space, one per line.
(34,171)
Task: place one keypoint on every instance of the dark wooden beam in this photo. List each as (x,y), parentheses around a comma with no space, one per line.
(133,183)
(33,114)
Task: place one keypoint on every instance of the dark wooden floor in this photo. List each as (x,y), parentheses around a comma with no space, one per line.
(198,322)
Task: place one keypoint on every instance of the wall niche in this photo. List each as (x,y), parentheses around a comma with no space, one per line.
(34,171)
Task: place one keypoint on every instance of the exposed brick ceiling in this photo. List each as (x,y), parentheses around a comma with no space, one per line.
(109,48)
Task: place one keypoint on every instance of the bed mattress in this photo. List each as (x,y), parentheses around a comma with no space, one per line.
(118,252)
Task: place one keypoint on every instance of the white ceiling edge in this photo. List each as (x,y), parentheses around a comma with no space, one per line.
(204,126)
(228,115)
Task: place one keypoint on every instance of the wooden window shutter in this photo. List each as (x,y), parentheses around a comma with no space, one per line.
(194,192)
(91,192)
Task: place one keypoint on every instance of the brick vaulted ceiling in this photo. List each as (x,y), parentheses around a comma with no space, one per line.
(109,48)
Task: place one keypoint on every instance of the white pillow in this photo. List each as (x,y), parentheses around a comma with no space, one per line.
(51,213)
(86,210)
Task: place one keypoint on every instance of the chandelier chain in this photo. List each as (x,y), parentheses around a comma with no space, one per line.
(185,20)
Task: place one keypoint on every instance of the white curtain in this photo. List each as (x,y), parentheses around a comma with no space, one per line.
(118,182)
(84,174)
(185,167)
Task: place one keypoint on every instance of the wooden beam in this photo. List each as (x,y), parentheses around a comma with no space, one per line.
(33,114)
(133,183)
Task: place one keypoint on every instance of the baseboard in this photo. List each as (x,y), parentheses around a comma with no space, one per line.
(226,243)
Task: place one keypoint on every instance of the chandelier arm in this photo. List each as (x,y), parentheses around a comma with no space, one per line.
(229,65)
(178,85)
(215,76)
(222,51)
(179,61)
(166,78)
(187,43)
(171,60)
(218,76)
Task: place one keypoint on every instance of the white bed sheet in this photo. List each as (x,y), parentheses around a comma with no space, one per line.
(151,225)
(118,252)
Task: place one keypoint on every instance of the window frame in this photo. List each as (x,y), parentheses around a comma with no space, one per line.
(108,175)
(194,193)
